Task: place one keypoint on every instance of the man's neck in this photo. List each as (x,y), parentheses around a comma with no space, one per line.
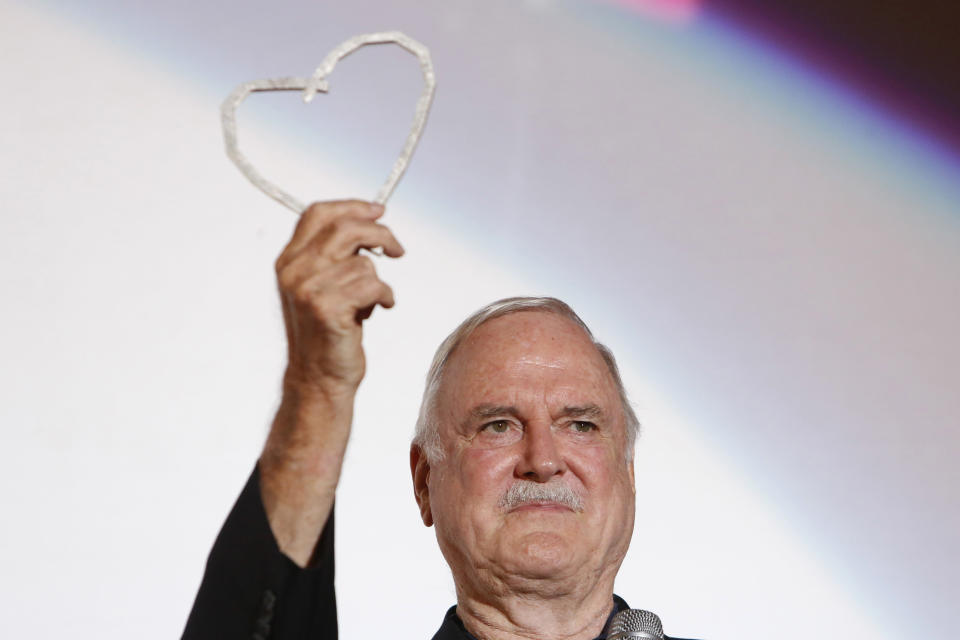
(530,617)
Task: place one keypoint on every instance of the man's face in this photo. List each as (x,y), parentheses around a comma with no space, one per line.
(527,397)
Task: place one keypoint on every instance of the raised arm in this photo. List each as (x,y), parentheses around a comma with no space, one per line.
(271,571)
(327,288)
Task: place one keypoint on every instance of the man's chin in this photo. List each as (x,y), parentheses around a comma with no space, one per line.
(538,555)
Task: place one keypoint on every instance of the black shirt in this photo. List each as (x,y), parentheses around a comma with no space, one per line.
(252,591)
(453,629)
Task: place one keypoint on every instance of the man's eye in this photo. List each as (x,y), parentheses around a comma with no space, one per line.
(497,426)
(582,426)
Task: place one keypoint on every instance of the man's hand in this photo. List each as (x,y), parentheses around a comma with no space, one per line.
(327,289)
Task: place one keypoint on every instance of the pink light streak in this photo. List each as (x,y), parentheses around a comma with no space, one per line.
(674,11)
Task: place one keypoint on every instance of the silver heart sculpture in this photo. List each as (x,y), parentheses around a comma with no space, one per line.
(318,82)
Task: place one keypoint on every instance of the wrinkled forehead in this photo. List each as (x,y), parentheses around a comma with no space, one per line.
(526,352)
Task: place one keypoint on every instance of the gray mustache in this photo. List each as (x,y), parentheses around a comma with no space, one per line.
(526,491)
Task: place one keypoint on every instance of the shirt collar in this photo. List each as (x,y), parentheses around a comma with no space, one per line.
(453,629)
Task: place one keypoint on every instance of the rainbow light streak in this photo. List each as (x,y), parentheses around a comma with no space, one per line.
(834,105)
(844,69)
(816,94)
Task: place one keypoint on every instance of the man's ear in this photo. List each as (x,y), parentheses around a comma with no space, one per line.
(633,480)
(420,471)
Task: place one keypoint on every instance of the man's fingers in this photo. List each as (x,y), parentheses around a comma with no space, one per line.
(380,293)
(319,214)
(351,285)
(341,245)
(359,277)
(353,235)
(373,291)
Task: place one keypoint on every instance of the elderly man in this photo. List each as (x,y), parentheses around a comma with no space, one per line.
(522,459)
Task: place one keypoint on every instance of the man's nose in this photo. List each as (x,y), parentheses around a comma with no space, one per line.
(541,458)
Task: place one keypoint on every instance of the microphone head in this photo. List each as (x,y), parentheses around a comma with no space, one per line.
(635,624)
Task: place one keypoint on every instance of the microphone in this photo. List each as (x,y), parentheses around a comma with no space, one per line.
(635,624)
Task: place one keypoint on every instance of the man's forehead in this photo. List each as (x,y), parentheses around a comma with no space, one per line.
(528,351)
(529,335)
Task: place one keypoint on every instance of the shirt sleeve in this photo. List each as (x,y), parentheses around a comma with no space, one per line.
(251,590)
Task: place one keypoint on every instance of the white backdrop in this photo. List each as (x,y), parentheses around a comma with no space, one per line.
(775,262)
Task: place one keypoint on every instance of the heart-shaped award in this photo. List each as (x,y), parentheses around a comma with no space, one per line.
(318,82)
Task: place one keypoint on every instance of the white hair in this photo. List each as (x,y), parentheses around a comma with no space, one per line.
(427,435)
